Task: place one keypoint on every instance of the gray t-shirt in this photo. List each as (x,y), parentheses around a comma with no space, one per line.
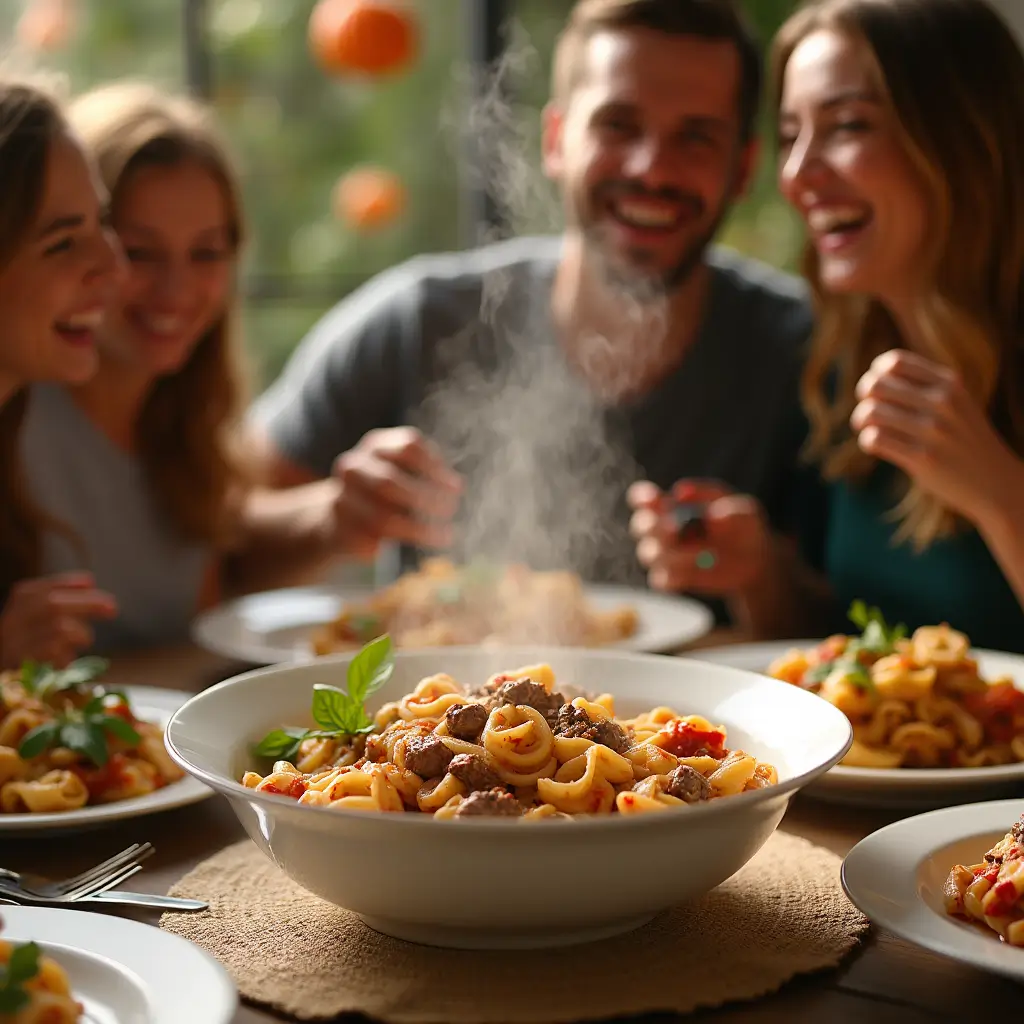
(462,346)
(99,491)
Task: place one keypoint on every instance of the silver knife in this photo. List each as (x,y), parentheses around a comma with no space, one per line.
(145,899)
(114,897)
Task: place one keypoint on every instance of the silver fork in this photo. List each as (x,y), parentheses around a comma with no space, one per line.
(87,891)
(34,885)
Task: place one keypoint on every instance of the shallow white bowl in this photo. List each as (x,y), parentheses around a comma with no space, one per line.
(500,883)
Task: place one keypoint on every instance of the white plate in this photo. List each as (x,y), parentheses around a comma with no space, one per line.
(152,705)
(896,874)
(273,627)
(907,788)
(125,972)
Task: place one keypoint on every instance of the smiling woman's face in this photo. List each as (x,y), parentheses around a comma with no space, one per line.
(175,225)
(844,168)
(56,288)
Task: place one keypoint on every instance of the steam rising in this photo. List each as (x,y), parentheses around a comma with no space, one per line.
(546,455)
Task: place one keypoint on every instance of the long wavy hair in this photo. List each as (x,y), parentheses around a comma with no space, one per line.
(189,428)
(30,121)
(953,76)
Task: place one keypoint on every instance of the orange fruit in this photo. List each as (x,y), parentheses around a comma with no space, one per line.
(369,37)
(367,198)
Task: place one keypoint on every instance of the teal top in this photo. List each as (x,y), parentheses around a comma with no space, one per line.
(955,580)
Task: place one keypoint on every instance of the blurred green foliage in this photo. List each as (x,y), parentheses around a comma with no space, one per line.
(295,130)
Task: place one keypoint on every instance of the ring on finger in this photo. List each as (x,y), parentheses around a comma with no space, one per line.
(705,559)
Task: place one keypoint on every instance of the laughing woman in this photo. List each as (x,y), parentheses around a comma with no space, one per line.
(901,147)
(139,462)
(59,266)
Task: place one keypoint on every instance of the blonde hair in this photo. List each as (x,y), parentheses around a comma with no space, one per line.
(953,76)
(187,435)
(30,121)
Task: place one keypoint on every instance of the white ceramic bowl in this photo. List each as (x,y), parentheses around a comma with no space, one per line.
(500,883)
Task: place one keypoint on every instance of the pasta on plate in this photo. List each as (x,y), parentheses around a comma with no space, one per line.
(991,892)
(67,742)
(513,747)
(914,701)
(34,988)
(444,604)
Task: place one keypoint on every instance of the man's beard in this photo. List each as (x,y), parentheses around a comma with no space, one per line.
(628,274)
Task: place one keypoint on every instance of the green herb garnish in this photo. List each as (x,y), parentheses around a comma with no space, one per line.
(23,966)
(876,635)
(877,638)
(44,681)
(85,732)
(817,673)
(338,712)
(853,671)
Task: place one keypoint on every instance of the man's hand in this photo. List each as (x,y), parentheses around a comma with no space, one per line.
(726,561)
(393,485)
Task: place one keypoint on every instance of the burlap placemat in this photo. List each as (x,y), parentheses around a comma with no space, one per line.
(783,914)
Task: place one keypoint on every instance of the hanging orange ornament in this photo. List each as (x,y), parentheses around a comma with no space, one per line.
(368,198)
(366,37)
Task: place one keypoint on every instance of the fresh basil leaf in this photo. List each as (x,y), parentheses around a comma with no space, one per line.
(281,744)
(120,728)
(370,669)
(75,677)
(856,673)
(83,670)
(330,706)
(29,673)
(24,963)
(95,706)
(86,738)
(817,673)
(22,966)
(858,614)
(36,740)
(877,635)
(875,638)
(44,682)
(12,999)
(852,669)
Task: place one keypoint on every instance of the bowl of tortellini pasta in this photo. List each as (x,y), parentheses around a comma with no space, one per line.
(507,798)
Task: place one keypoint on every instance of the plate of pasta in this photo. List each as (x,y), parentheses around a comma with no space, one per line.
(442,605)
(950,881)
(75,753)
(935,721)
(387,781)
(67,967)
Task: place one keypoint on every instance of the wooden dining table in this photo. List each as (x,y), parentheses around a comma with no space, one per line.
(884,980)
